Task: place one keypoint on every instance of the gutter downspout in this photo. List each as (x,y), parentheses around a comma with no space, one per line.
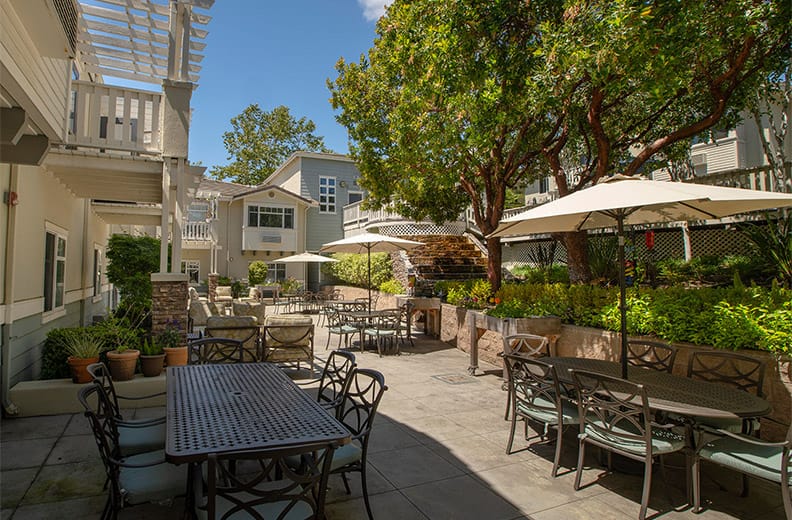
(8,297)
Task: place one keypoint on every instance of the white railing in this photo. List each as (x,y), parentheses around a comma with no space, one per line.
(115,118)
(196,231)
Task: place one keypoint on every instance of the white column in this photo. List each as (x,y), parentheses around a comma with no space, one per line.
(176,234)
(686,242)
(166,166)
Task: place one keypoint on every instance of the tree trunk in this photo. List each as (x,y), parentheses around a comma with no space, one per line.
(494,257)
(576,244)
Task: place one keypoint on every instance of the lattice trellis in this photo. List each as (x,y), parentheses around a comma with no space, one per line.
(452,228)
(669,243)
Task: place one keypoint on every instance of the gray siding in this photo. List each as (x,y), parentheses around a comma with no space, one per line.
(324,227)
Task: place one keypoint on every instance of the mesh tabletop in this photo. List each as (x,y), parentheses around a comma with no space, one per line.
(673,393)
(244,406)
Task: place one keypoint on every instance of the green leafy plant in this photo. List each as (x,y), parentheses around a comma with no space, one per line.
(555,273)
(290,285)
(353,269)
(774,240)
(257,273)
(170,336)
(151,347)
(602,253)
(122,329)
(472,294)
(391,286)
(131,260)
(83,343)
(53,356)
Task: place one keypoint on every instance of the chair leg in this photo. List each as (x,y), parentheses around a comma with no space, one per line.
(743,485)
(511,434)
(346,483)
(557,458)
(647,487)
(579,470)
(508,407)
(695,477)
(787,499)
(364,485)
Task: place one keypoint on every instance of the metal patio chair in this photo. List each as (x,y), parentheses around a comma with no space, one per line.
(332,382)
(210,351)
(655,355)
(531,345)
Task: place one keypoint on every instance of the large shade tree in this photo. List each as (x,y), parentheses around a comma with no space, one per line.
(456,98)
(260,141)
(440,114)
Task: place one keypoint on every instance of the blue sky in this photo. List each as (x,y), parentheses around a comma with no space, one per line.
(276,52)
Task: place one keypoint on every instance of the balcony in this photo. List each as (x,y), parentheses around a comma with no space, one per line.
(358,220)
(113,118)
(196,232)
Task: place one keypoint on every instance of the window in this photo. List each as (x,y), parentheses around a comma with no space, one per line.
(271,217)
(327,194)
(354,196)
(192,268)
(54,270)
(97,264)
(199,211)
(276,272)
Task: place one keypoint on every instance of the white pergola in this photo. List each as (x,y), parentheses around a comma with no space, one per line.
(142,40)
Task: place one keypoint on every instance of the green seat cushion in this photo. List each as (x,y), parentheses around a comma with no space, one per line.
(663,441)
(569,412)
(134,440)
(346,454)
(152,483)
(760,461)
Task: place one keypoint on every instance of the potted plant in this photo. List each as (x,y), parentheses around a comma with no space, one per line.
(83,348)
(152,358)
(121,334)
(173,345)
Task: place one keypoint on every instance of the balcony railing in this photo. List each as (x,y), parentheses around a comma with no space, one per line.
(761,179)
(197,231)
(114,118)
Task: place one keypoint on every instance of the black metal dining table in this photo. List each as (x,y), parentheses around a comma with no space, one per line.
(672,393)
(226,408)
(362,319)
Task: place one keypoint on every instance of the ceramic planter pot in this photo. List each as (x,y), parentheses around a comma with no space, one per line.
(122,364)
(175,356)
(151,366)
(79,369)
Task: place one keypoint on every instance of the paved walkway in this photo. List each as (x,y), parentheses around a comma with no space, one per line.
(437,452)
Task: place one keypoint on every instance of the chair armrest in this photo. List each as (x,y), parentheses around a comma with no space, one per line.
(751,440)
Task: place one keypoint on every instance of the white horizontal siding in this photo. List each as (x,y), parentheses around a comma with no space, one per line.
(41,82)
(722,156)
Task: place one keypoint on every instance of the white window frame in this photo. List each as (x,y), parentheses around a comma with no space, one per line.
(276,272)
(98,270)
(191,266)
(55,288)
(327,194)
(283,211)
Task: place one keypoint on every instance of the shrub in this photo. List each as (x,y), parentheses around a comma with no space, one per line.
(131,260)
(257,272)
(724,317)
(391,286)
(353,269)
(471,294)
(555,273)
(54,355)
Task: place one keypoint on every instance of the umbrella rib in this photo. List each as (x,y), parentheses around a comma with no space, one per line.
(698,209)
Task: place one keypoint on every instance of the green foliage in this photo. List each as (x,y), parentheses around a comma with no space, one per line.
(150,347)
(391,286)
(257,273)
(260,141)
(290,285)
(81,342)
(736,317)
(54,355)
(121,330)
(603,259)
(711,270)
(352,269)
(555,273)
(774,242)
(170,337)
(131,260)
(471,294)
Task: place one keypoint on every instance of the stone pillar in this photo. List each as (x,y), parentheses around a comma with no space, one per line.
(213,277)
(170,298)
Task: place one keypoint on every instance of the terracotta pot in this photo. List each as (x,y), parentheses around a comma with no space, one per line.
(175,356)
(79,369)
(122,364)
(151,366)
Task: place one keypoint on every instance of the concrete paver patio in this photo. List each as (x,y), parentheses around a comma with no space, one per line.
(437,452)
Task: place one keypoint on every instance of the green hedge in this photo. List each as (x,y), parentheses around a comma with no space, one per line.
(352,269)
(727,318)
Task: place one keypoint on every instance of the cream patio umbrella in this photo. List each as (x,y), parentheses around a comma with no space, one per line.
(306,258)
(621,200)
(369,243)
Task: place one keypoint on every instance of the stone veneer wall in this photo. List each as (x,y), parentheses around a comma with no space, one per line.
(169,303)
(212,286)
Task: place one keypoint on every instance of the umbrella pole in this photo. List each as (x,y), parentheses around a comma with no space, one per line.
(369,279)
(622,295)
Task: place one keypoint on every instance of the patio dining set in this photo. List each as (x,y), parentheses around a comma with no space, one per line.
(711,413)
(239,438)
